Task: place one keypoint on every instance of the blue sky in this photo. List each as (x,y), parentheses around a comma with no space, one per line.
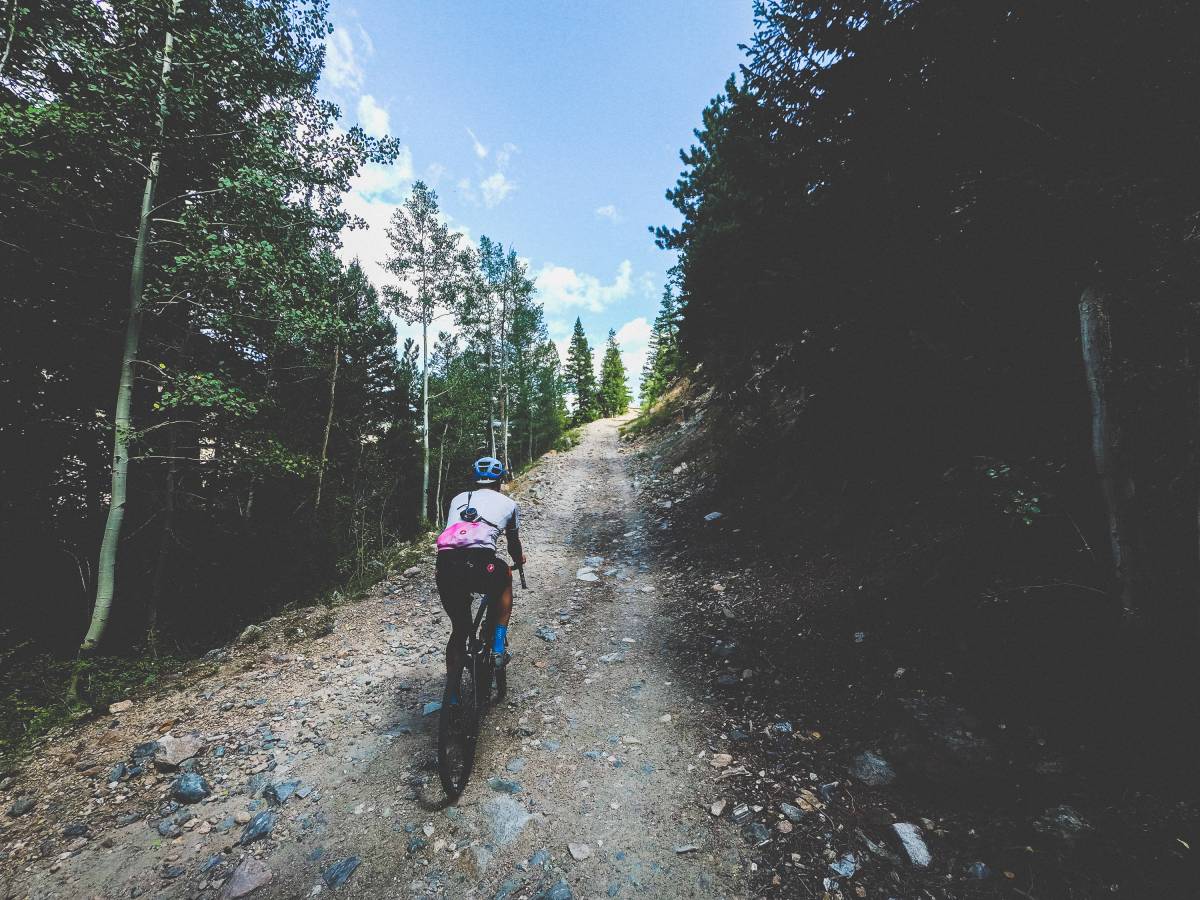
(553,127)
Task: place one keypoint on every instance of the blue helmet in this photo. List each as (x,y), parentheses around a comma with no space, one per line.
(488,470)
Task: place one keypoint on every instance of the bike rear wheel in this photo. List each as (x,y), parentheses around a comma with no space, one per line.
(458,733)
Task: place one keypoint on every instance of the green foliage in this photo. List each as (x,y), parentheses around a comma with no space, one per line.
(204,390)
(34,685)
(613,396)
(664,359)
(580,377)
(659,414)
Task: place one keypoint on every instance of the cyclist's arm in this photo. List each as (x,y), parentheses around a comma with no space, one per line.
(513,536)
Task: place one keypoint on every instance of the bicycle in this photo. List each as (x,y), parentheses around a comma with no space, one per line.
(459,723)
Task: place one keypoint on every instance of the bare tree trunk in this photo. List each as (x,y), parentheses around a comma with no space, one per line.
(503,392)
(441,456)
(1116,486)
(164,550)
(425,420)
(12,30)
(123,417)
(504,424)
(333,376)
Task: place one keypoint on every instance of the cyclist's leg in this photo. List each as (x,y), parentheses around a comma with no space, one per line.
(456,600)
(500,592)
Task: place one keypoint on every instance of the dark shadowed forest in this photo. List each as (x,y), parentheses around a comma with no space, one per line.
(938,267)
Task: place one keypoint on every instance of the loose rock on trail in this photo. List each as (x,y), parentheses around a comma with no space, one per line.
(299,761)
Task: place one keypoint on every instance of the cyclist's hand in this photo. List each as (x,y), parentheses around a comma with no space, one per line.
(524,559)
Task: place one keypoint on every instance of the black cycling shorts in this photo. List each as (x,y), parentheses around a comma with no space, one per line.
(463,572)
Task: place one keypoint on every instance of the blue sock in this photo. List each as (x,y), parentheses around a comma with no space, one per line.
(498,640)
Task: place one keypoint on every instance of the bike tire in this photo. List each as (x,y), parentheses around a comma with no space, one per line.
(501,683)
(458,735)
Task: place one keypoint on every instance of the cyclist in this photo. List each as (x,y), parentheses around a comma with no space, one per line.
(467,562)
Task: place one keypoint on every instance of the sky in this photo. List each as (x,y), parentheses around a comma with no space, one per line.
(552,127)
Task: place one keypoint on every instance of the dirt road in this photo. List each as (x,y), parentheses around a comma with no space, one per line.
(595,779)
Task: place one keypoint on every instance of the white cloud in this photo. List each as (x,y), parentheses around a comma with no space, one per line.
(634,333)
(368,44)
(343,70)
(373,196)
(434,173)
(504,155)
(609,211)
(480,150)
(495,188)
(372,117)
(467,190)
(561,288)
(385,182)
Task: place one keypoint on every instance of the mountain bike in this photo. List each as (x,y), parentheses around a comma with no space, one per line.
(459,724)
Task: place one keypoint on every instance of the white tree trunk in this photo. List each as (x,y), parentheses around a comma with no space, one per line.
(123,417)
(333,377)
(1095,328)
(424,419)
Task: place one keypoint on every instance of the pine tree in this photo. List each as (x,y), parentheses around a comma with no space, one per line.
(580,377)
(614,389)
(663,358)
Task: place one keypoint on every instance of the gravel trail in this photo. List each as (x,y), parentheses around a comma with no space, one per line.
(594,779)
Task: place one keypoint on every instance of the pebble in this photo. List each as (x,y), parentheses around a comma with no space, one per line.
(720,760)
(978,870)
(169,828)
(504,785)
(258,828)
(872,769)
(546,633)
(793,813)
(279,794)
(515,765)
(171,751)
(758,834)
(339,873)
(507,818)
(579,852)
(190,788)
(21,806)
(913,843)
(846,865)
(249,876)
(718,807)
(560,891)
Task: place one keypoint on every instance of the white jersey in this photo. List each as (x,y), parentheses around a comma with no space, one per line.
(499,511)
